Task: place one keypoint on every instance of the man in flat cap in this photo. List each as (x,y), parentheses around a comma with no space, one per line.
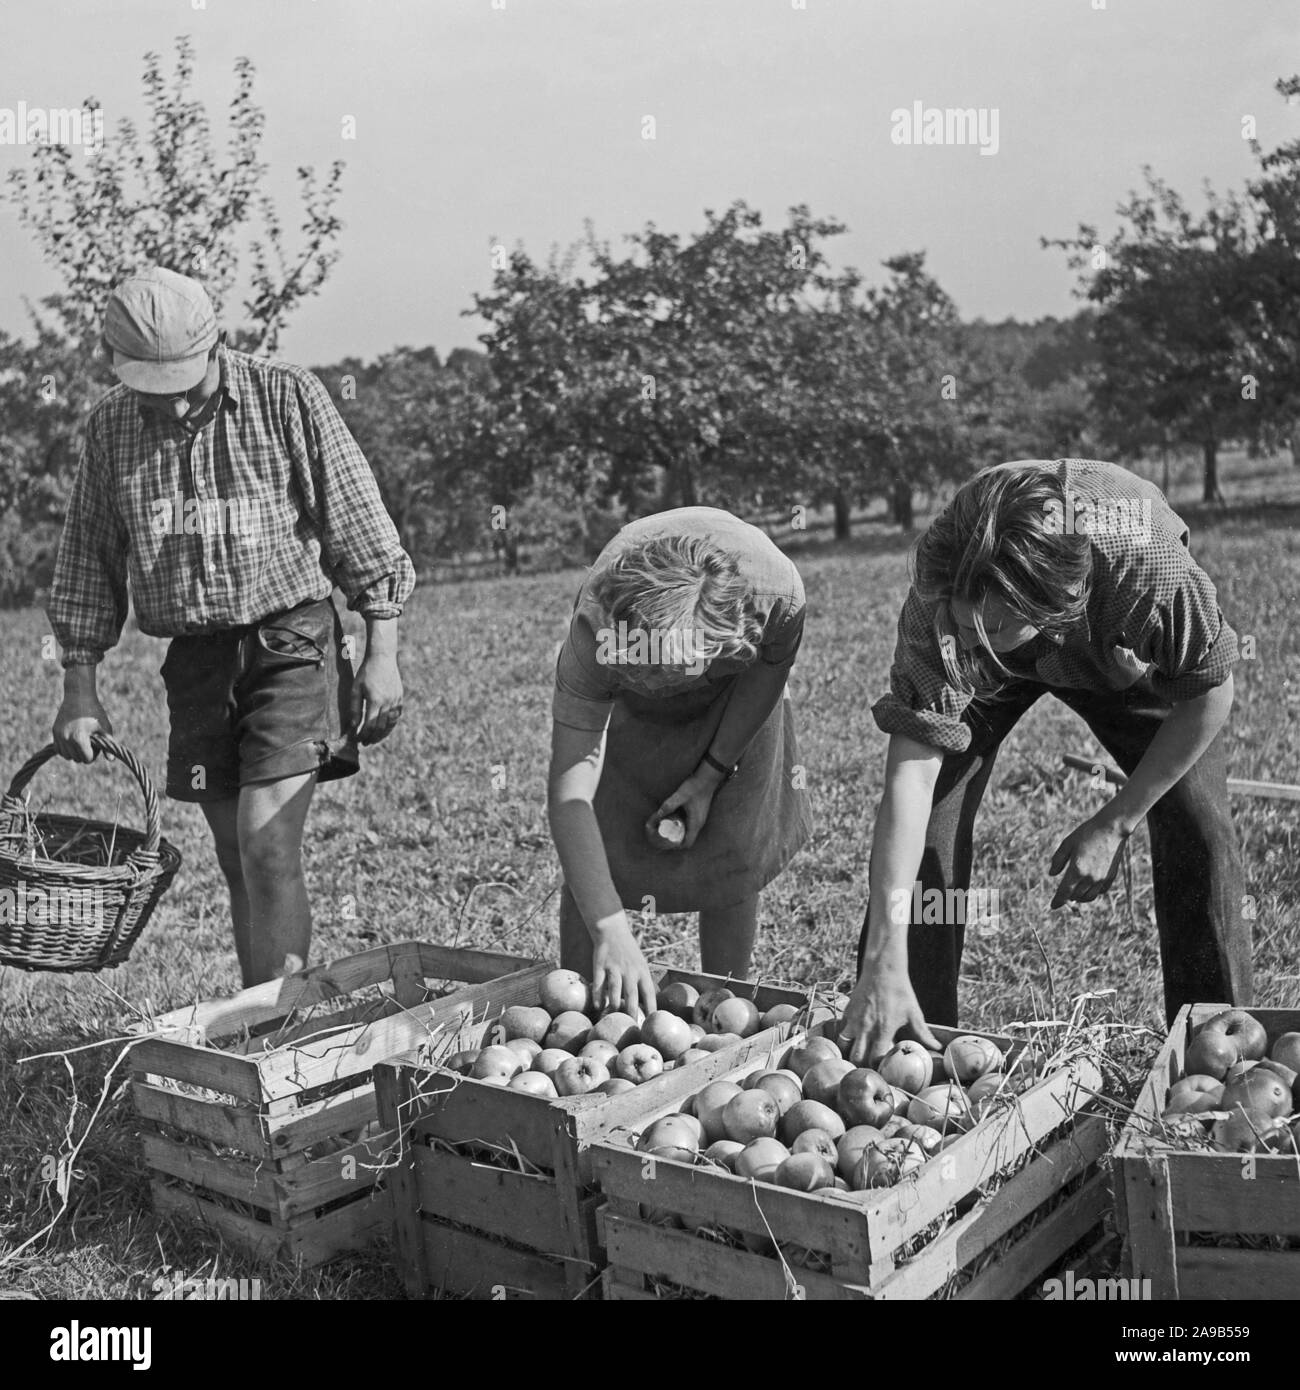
(226,490)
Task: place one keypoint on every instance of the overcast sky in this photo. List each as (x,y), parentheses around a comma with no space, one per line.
(517,119)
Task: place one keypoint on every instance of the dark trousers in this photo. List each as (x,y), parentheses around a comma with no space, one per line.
(1205,945)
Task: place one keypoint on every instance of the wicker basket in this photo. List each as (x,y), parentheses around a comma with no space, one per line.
(63,936)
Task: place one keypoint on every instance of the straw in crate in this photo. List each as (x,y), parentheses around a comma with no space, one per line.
(96,882)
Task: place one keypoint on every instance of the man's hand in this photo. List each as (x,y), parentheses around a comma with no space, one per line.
(78,717)
(882,1003)
(1090,858)
(620,977)
(693,799)
(376,698)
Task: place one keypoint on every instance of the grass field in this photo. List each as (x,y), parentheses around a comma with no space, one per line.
(443,838)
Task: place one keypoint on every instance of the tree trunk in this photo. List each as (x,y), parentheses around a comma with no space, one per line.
(1211,491)
(686,493)
(843,519)
(902,504)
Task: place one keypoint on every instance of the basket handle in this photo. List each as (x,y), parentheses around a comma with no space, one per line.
(105,743)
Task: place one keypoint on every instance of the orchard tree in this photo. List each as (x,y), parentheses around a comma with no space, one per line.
(168,197)
(1182,324)
(165,195)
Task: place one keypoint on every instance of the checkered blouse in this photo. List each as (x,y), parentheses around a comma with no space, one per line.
(269,504)
(1152,615)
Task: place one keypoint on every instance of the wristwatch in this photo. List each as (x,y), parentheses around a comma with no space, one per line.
(727,772)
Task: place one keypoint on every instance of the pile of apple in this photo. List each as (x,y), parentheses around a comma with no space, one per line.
(561,1047)
(819,1121)
(1235,1091)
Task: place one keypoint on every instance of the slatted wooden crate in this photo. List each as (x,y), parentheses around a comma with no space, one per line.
(902,1242)
(466,1225)
(258,1114)
(1200,1225)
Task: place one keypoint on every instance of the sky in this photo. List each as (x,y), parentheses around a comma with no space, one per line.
(512,122)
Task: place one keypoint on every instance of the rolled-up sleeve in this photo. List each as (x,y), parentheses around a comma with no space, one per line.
(88,595)
(583,697)
(360,548)
(1183,632)
(921,704)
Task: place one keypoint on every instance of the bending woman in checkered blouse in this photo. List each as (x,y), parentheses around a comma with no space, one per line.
(230,495)
(670,697)
(1071,578)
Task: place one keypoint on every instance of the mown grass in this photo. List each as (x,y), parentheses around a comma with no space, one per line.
(443,838)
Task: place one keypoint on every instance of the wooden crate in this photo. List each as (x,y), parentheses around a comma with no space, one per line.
(258,1112)
(1190,1220)
(471,1227)
(902,1242)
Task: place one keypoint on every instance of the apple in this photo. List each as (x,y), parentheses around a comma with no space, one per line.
(817,1141)
(618,1028)
(908,1066)
(461,1062)
(1279,1069)
(616,1086)
(809,1114)
(736,1015)
(696,1032)
(781,1088)
(940,1107)
(535,1083)
(898,1126)
(930,1140)
(840,1184)
(668,1034)
(750,1115)
(524,1021)
(1259,1090)
(822,1082)
(707,1001)
(1193,1095)
(900,1098)
(692,1054)
(709,1105)
(805,1172)
(812,1016)
(969,1057)
(715,1042)
(568,1030)
(639,1063)
(724,1152)
(1287,1051)
(677,998)
(1246,1130)
(778,1014)
(604,1052)
(579,1075)
(1244,1029)
(865,1098)
(883,1164)
(526,1048)
(760,1159)
(549,1058)
(563,992)
(672,1136)
(1211,1054)
(984,1092)
(805,1055)
(496,1061)
(849,1147)
(1237,1070)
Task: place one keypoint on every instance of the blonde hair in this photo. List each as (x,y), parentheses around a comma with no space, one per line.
(996,539)
(680,583)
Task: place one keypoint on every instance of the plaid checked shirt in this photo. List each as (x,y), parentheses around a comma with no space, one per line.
(269,504)
(1152,617)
